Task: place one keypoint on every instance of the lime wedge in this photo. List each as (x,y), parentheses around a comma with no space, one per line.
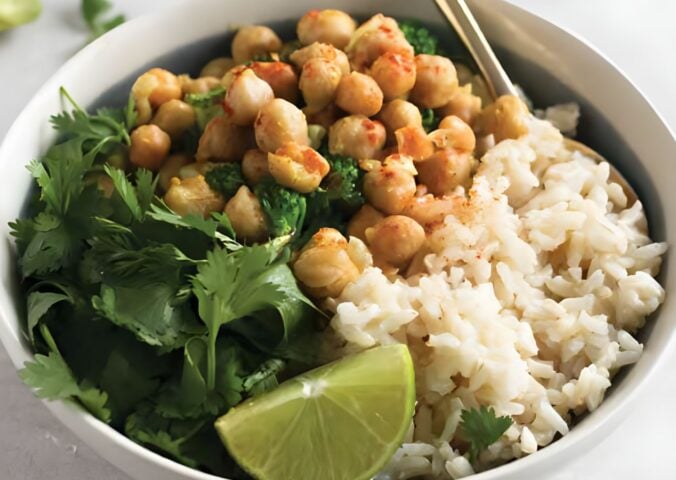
(342,421)
(17,12)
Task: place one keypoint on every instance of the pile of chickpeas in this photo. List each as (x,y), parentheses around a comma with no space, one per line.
(364,87)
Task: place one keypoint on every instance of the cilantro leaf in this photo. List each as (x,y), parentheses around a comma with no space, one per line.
(232,285)
(148,428)
(38,304)
(137,199)
(125,383)
(52,379)
(93,13)
(147,310)
(430,120)
(190,397)
(481,428)
(208,226)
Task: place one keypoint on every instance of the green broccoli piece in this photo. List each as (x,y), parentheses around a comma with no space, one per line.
(344,181)
(430,120)
(338,197)
(225,179)
(206,105)
(420,38)
(284,208)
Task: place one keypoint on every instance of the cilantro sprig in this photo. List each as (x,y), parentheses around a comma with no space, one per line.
(481,428)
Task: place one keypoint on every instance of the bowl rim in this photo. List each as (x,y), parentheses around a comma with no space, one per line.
(72,415)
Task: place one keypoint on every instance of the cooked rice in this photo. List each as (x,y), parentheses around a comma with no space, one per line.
(535,288)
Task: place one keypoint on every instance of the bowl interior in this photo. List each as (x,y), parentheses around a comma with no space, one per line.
(547,62)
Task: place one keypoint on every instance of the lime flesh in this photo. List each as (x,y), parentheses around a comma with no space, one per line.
(342,421)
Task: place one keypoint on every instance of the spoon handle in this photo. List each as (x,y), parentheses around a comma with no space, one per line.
(459,15)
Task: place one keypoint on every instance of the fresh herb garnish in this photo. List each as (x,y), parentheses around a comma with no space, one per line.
(182,322)
(94,14)
(430,120)
(481,428)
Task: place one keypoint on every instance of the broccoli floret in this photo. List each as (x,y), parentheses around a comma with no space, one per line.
(206,105)
(419,37)
(284,208)
(430,120)
(225,179)
(344,181)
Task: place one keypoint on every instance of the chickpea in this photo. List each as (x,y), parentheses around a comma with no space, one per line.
(324,266)
(366,217)
(445,170)
(152,89)
(378,35)
(194,169)
(105,185)
(454,133)
(391,186)
(359,94)
(193,196)
(174,117)
(413,141)
(394,73)
(222,141)
(435,83)
(171,169)
(255,166)
(319,82)
(326,26)
(321,50)
(316,134)
(463,105)
(280,76)
(298,167)
(280,122)
(506,118)
(245,97)
(149,148)
(198,85)
(246,216)
(395,239)
(398,114)
(324,117)
(217,67)
(429,211)
(254,40)
(357,136)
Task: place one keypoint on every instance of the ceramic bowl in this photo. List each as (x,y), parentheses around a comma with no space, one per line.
(552,66)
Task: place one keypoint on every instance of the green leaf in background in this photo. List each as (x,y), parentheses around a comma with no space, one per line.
(18,12)
(94,14)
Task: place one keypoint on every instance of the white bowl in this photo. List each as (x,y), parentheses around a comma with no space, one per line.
(552,65)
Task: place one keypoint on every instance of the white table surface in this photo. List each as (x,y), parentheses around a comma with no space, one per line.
(638,35)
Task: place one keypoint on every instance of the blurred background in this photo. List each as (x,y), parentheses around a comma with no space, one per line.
(639,37)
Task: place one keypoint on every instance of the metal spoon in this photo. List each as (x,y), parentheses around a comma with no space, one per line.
(460,17)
